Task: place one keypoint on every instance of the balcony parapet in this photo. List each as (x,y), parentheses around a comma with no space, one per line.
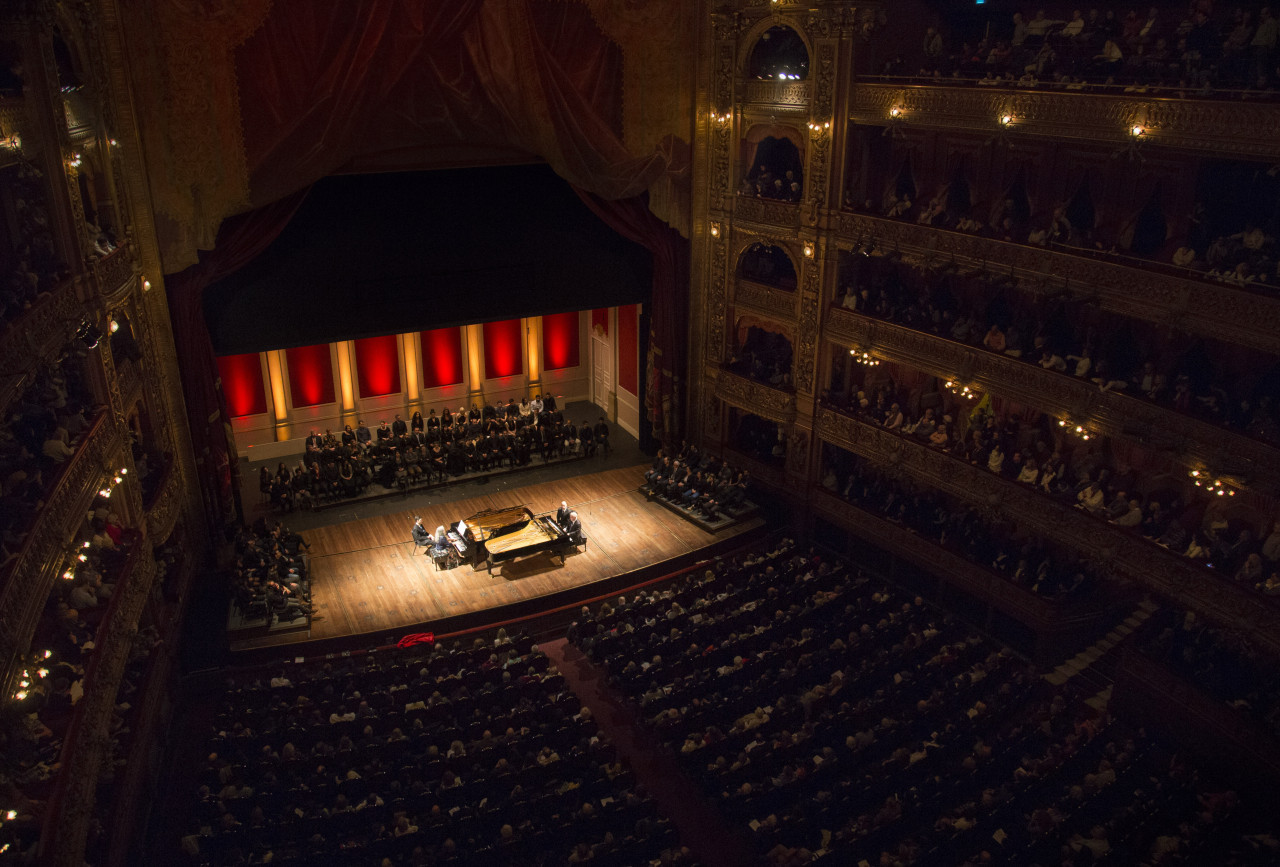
(1206,126)
(88,741)
(1109,548)
(756,397)
(26,587)
(767,212)
(36,336)
(1108,412)
(115,273)
(780,94)
(766,299)
(1193,306)
(163,513)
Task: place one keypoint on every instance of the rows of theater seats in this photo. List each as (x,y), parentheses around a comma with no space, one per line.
(436,755)
(840,722)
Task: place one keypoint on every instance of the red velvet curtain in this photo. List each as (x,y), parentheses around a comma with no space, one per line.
(327,81)
(668,309)
(240,240)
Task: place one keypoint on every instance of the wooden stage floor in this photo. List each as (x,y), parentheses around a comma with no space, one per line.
(367,577)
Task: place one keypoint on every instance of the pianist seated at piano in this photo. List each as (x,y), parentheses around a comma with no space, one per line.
(573,528)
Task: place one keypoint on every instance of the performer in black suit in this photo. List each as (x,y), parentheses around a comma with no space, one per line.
(562,515)
(421,537)
(574,528)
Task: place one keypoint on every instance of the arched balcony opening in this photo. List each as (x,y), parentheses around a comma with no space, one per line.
(768,264)
(779,55)
(762,351)
(775,160)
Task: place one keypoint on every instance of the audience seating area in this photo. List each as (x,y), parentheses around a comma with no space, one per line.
(888,733)
(427,755)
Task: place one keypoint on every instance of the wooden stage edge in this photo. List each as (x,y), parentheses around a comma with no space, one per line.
(370,586)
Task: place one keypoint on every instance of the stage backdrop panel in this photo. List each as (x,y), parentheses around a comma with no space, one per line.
(378,363)
(560,341)
(310,375)
(628,348)
(441,357)
(503,349)
(242,384)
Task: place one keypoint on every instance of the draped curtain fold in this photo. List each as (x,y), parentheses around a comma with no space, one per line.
(327,82)
(239,240)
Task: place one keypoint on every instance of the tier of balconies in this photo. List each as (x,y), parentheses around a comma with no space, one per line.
(1107,412)
(1110,548)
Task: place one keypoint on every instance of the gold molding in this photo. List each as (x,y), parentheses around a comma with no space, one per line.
(1109,549)
(1107,412)
(756,397)
(1194,306)
(765,299)
(1208,126)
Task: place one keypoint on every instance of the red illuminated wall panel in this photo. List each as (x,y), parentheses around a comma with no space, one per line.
(441,357)
(600,316)
(503,349)
(560,341)
(310,374)
(628,348)
(378,363)
(242,384)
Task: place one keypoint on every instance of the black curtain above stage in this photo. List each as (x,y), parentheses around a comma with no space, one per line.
(378,254)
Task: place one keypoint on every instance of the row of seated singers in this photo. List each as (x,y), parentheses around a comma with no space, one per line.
(702,483)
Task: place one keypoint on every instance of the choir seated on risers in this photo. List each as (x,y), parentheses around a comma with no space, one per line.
(702,483)
(428,450)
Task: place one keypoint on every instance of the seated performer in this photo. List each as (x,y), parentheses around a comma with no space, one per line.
(574,528)
(421,537)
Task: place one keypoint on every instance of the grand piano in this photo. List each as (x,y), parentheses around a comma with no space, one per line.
(495,536)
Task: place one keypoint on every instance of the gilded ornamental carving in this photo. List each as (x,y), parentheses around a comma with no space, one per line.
(765,299)
(41,332)
(1204,309)
(1236,128)
(783,94)
(115,272)
(767,211)
(1108,412)
(1162,571)
(756,397)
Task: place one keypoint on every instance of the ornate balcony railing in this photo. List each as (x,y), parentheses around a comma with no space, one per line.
(86,745)
(1109,548)
(1221,128)
(768,212)
(784,94)
(1041,615)
(1108,412)
(756,397)
(36,336)
(163,511)
(25,588)
(766,299)
(1196,307)
(115,272)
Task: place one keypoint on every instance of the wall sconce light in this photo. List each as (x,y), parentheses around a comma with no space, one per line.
(722,119)
(12,142)
(75,161)
(1137,130)
(819,128)
(114,326)
(1076,429)
(863,356)
(961,391)
(113,143)
(1006,120)
(1217,487)
(715,229)
(808,249)
(895,112)
(146,285)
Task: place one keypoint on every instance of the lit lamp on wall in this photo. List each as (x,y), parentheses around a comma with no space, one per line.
(808,249)
(714,228)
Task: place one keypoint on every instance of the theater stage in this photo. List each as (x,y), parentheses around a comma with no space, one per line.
(368,579)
